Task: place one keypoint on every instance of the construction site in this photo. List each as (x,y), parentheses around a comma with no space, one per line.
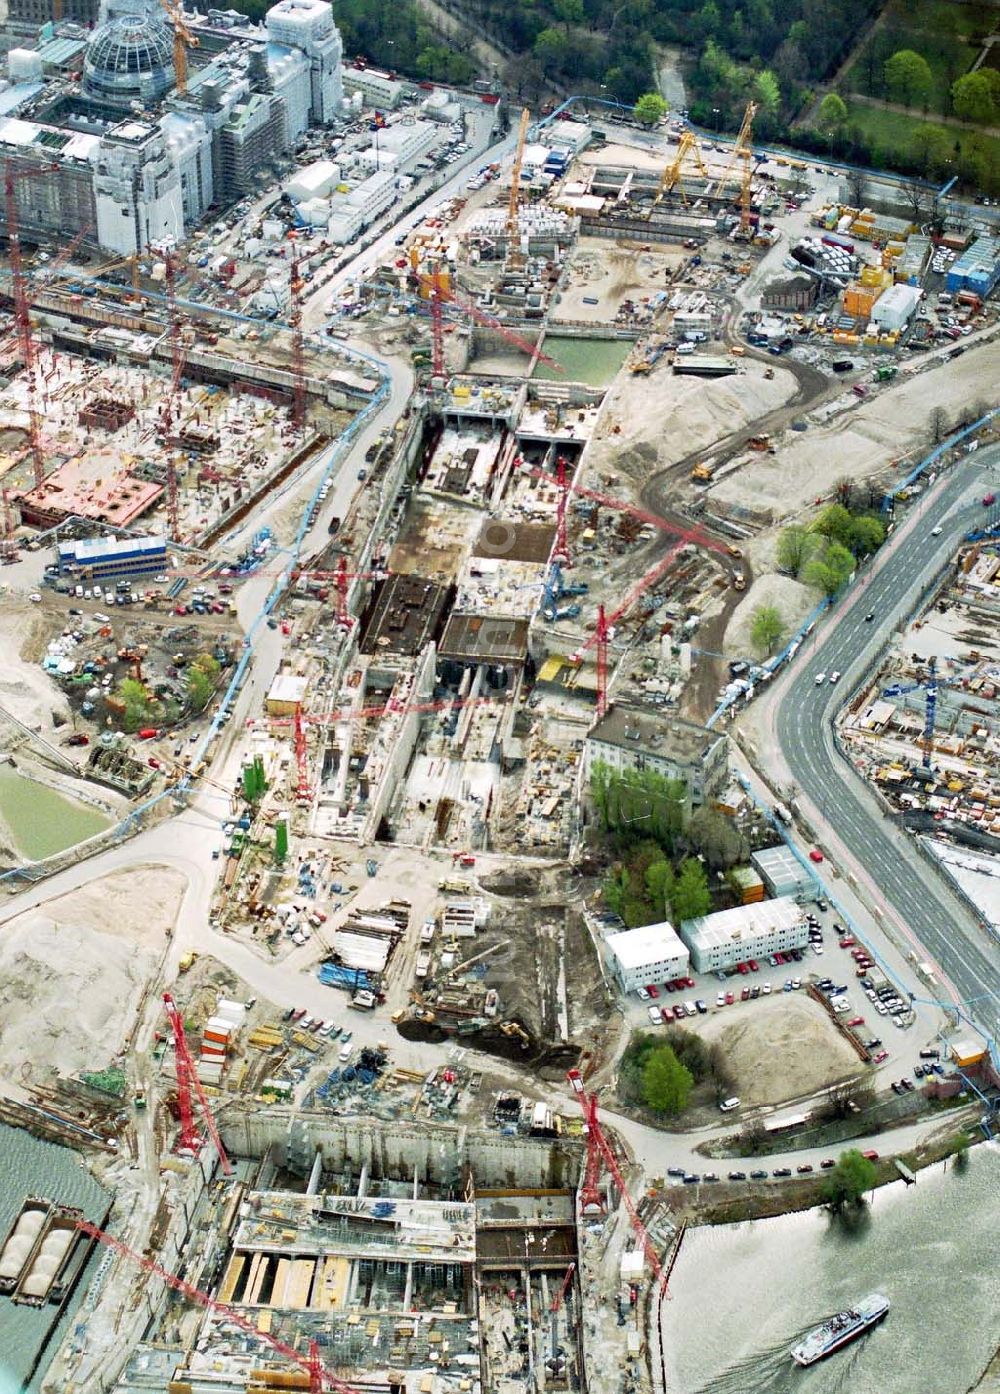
(923,731)
(343,637)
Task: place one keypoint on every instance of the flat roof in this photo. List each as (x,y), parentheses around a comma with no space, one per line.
(404,613)
(485,639)
(288,687)
(650,943)
(742,922)
(634,728)
(515,541)
(118,502)
(91,549)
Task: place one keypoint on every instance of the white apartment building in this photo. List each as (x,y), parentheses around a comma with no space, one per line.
(747,931)
(651,954)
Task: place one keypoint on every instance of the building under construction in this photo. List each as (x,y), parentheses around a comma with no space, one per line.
(417,1259)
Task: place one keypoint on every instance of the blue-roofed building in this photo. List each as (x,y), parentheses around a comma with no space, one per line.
(977,269)
(111,558)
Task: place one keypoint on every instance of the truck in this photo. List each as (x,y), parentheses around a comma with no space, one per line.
(783,814)
(187,961)
(739,581)
(423,963)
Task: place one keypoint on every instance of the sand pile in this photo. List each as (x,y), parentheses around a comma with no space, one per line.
(862,442)
(792,599)
(25,690)
(677,416)
(72,974)
(781,1047)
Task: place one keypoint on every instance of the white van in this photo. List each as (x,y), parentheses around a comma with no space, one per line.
(728,1105)
(345,1052)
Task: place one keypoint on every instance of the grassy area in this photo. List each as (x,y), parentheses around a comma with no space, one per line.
(948,35)
(892,132)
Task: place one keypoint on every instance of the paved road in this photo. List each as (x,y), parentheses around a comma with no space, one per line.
(921,904)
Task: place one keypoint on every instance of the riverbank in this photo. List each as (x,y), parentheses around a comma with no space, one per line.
(740,1201)
(989,1381)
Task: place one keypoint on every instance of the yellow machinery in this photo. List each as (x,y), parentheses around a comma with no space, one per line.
(183,40)
(688,153)
(513,226)
(742,155)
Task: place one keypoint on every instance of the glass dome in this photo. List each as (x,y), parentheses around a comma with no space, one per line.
(130,58)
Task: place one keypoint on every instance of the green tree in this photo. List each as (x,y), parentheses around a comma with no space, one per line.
(767,628)
(659,887)
(849,1181)
(867,535)
(550,48)
(908,78)
(829,570)
(666,1084)
(835,523)
(767,91)
(976,96)
(650,108)
(930,147)
(716,837)
(796,545)
(569,11)
(139,708)
(691,897)
(832,112)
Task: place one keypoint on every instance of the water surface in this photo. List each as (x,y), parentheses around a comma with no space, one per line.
(742,1294)
(41,820)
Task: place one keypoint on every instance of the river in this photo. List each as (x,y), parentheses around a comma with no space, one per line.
(742,1294)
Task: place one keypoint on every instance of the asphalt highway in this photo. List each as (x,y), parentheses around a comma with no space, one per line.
(803,725)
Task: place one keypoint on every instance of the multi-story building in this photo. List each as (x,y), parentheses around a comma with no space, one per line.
(631,738)
(135,162)
(748,931)
(651,954)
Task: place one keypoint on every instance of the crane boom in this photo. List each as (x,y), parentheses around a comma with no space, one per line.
(187,1078)
(513,225)
(308,1362)
(598,1148)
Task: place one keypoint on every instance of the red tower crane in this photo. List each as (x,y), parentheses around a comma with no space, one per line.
(303,790)
(599,1150)
(560,1296)
(187,1077)
(320,1377)
(168,413)
(295,285)
(601,638)
(438,290)
(22,309)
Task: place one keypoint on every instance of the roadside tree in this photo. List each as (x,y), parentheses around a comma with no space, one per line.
(649,109)
(666,1084)
(832,113)
(767,628)
(849,1181)
(830,569)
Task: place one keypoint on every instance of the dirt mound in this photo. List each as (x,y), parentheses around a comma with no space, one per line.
(781,1047)
(71,975)
(510,882)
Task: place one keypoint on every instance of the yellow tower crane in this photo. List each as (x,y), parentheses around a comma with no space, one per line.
(743,155)
(688,153)
(513,224)
(184,38)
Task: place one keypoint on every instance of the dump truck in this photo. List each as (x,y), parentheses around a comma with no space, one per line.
(187,961)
